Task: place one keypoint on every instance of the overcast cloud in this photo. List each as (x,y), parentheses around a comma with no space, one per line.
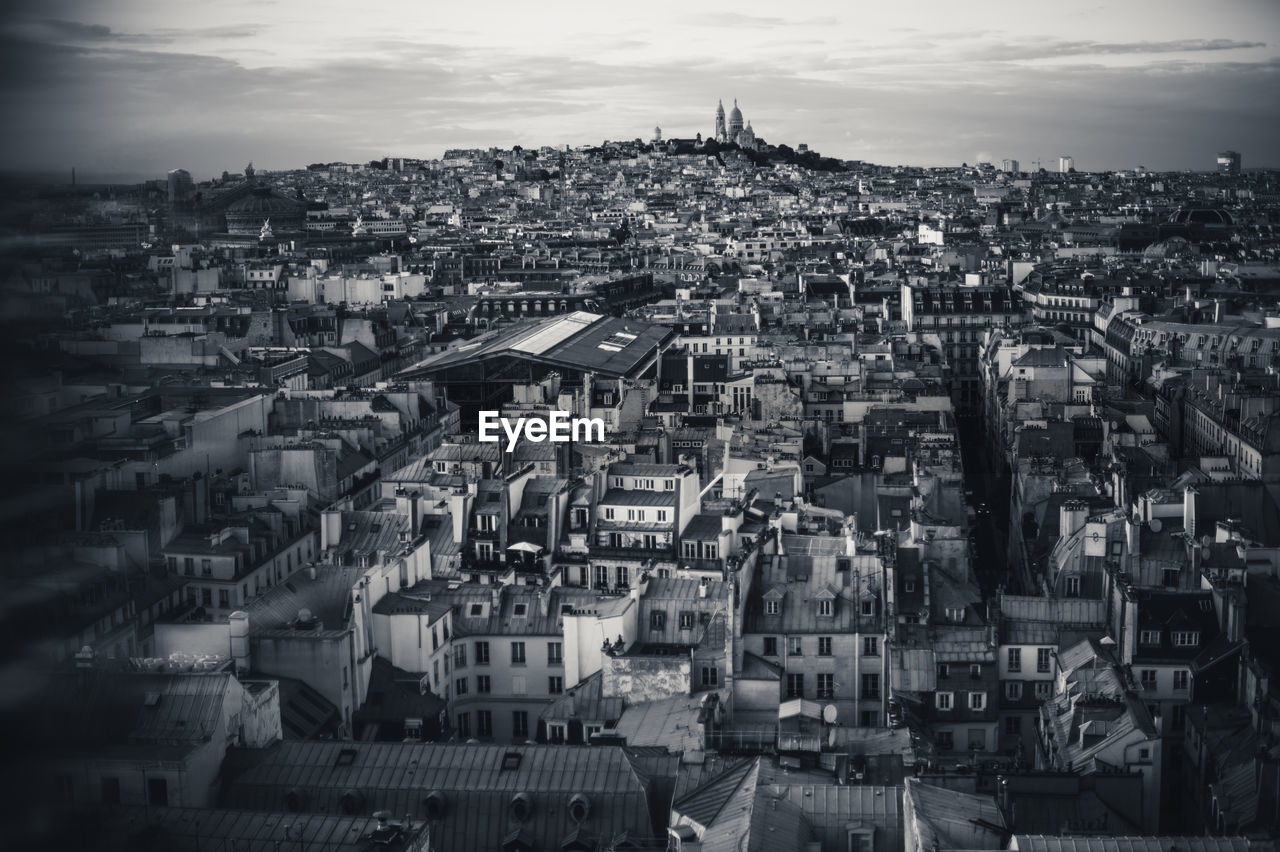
(142,86)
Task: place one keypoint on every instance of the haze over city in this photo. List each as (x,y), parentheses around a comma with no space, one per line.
(138,87)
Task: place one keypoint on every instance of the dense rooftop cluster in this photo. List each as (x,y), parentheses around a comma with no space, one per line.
(936,509)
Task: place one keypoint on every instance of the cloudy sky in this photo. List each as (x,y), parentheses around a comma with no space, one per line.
(142,86)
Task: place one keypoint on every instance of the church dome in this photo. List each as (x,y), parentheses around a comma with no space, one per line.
(735,117)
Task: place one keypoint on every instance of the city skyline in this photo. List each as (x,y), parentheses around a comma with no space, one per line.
(140,87)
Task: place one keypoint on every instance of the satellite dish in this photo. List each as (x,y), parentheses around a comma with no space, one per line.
(1156,525)
(829,714)
(1205,541)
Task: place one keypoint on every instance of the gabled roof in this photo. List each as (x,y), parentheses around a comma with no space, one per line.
(705,804)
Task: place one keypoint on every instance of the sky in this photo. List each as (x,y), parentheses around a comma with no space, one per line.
(144,86)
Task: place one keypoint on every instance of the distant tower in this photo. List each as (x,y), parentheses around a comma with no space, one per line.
(1229,162)
(657,135)
(1012,167)
(720,131)
(1066,164)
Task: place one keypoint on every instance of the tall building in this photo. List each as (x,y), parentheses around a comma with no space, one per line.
(1229,162)
(1066,164)
(720,130)
(181,185)
(1011,166)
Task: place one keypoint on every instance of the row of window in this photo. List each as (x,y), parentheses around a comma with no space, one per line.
(637,515)
(867,606)
(519,686)
(826,687)
(1179,638)
(658,619)
(555,653)
(1150,679)
(795,646)
(1044,660)
(946,700)
(1043,690)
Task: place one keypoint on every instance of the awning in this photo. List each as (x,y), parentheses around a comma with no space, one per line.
(527,547)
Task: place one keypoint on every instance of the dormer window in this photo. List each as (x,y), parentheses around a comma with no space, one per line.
(520,610)
(826,607)
(1149,637)
(771,607)
(1185,638)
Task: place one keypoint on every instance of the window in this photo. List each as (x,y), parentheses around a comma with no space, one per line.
(770,607)
(771,646)
(1013,690)
(868,606)
(826,685)
(460,686)
(944,741)
(658,620)
(871,646)
(1044,690)
(555,733)
(459,656)
(484,723)
(686,620)
(870,719)
(624,577)
(1181,680)
(825,607)
(482,683)
(975,670)
(157,792)
(1149,637)
(482,653)
(871,686)
(1044,659)
(1185,638)
(662,516)
(518,685)
(189,566)
(944,670)
(517,653)
(710,676)
(795,685)
(944,700)
(224,599)
(977,739)
(1073,587)
(608,514)
(464,725)
(977,700)
(555,685)
(1148,678)
(794,647)
(1015,659)
(1013,725)
(519,723)
(824,646)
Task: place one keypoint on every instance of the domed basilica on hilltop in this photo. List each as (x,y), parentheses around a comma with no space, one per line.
(734,131)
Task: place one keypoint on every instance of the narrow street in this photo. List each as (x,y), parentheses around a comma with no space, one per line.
(991,529)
